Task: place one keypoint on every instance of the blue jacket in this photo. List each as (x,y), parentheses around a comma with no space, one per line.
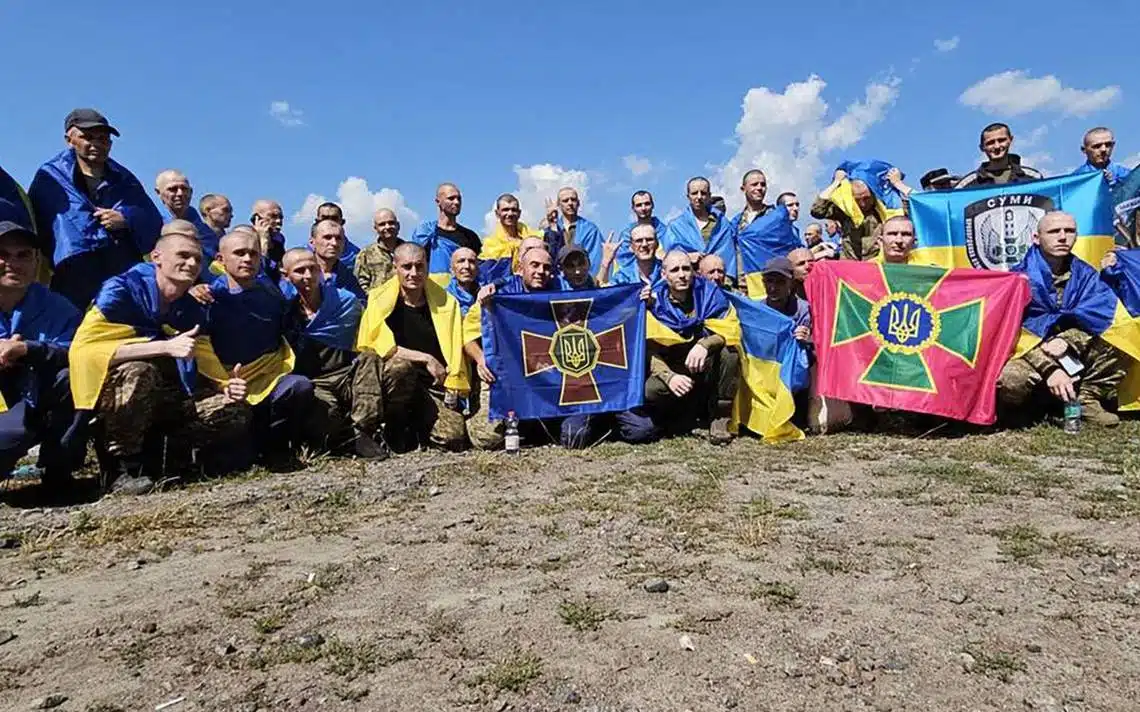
(65,215)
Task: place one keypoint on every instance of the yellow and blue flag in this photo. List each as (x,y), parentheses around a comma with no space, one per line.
(888,200)
(772,366)
(1124,279)
(561,353)
(376,336)
(499,257)
(769,235)
(992,227)
(128,310)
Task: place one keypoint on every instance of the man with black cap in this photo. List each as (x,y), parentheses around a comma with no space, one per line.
(574,262)
(938,179)
(1000,166)
(780,294)
(36,329)
(94,217)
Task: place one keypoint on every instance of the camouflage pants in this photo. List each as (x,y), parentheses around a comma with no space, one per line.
(141,398)
(346,401)
(408,403)
(1104,370)
(484,434)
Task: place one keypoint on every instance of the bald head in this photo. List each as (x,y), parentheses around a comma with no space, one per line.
(1097,146)
(1056,234)
(386,226)
(897,238)
(863,196)
(300,267)
(178,260)
(527,244)
(449,200)
(173,189)
(801,263)
(465,266)
(677,269)
(267,217)
(711,267)
(409,251)
(568,203)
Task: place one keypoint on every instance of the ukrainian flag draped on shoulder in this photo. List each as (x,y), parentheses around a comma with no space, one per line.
(247,327)
(888,200)
(992,227)
(65,215)
(668,324)
(500,255)
(685,234)
(128,310)
(769,235)
(466,299)
(772,367)
(560,353)
(439,250)
(1124,279)
(43,317)
(587,235)
(624,257)
(376,336)
(1087,303)
(337,320)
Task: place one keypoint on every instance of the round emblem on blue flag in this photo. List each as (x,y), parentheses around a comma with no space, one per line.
(574,350)
(904,323)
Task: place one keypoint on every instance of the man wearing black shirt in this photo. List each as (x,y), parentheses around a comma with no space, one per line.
(415,327)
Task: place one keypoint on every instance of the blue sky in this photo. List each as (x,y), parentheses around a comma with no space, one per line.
(525,97)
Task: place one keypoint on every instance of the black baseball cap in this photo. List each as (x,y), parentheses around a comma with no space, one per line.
(87,119)
(11,229)
(781,266)
(572,249)
(936,179)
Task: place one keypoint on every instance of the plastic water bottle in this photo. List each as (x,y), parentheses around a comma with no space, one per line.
(1073,417)
(511,439)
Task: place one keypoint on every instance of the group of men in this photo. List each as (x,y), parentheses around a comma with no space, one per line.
(170,335)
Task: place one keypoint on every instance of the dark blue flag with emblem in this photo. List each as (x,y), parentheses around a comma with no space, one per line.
(560,353)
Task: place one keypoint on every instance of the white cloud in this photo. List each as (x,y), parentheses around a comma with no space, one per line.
(1131,161)
(1012,93)
(637,165)
(947,45)
(1033,138)
(358,204)
(787,134)
(285,114)
(540,182)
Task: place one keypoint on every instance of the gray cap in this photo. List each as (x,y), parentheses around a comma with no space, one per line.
(572,249)
(779,265)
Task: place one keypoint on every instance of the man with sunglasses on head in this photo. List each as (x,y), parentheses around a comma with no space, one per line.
(94,217)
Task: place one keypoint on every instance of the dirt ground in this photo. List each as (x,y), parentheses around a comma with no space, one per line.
(849,572)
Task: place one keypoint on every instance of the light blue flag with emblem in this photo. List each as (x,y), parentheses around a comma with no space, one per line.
(992,227)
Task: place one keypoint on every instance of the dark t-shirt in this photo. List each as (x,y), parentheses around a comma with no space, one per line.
(413,329)
(462,236)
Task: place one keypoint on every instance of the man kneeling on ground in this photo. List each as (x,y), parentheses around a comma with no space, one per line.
(134,362)
(415,327)
(322,327)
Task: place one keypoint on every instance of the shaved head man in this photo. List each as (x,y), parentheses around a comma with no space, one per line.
(801,261)
(897,240)
(711,267)
(1072,363)
(217,212)
(1097,146)
(267,218)
(565,227)
(442,236)
(685,376)
(464,284)
(332,211)
(175,194)
(376,264)
(701,229)
(326,240)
